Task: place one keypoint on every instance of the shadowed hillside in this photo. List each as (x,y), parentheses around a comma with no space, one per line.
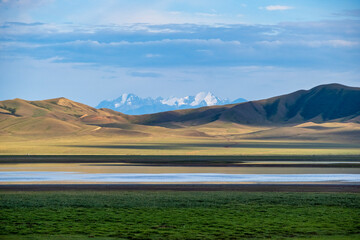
(333,102)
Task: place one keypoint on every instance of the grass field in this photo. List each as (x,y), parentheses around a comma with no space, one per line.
(178,215)
(165,145)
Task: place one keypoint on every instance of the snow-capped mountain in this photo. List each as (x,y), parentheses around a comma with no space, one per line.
(134,105)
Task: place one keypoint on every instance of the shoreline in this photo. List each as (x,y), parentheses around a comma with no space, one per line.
(351,188)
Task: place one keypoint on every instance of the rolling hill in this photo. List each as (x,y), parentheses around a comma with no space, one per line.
(53,116)
(303,114)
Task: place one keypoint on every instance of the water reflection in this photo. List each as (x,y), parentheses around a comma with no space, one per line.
(173,177)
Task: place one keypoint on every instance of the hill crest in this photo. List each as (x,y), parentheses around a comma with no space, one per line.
(330,102)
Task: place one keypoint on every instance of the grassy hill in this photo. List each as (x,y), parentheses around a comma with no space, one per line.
(325,114)
(57,116)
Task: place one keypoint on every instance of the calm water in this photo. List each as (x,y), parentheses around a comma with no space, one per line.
(120,173)
(173,177)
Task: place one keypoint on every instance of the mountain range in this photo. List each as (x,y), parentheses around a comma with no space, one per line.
(135,105)
(332,102)
(326,110)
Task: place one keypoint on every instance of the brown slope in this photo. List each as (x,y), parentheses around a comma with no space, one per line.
(331,102)
(53,116)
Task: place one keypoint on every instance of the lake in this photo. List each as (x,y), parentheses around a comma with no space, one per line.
(173,177)
(128,173)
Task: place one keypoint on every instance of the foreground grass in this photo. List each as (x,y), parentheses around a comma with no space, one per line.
(178,215)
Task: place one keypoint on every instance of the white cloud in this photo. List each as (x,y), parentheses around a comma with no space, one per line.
(151,55)
(273,32)
(205,52)
(343,43)
(212,42)
(336,43)
(156,42)
(278,8)
(204,14)
(270,43)
(332,43)
(320,43)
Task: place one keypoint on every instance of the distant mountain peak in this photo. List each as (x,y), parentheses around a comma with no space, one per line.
(174,101)
(209,98)
(132,104)
(126,99)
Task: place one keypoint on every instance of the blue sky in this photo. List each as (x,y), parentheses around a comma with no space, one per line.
(93,50)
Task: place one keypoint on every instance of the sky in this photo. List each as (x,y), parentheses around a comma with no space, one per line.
(92,50)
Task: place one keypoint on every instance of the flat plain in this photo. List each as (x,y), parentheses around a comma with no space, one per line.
(171,145)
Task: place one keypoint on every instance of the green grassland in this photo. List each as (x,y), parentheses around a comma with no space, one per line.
(178,215)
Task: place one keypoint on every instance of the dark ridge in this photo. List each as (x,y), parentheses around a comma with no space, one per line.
(331,102)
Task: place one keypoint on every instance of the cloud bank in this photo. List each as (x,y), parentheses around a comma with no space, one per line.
(92,50)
